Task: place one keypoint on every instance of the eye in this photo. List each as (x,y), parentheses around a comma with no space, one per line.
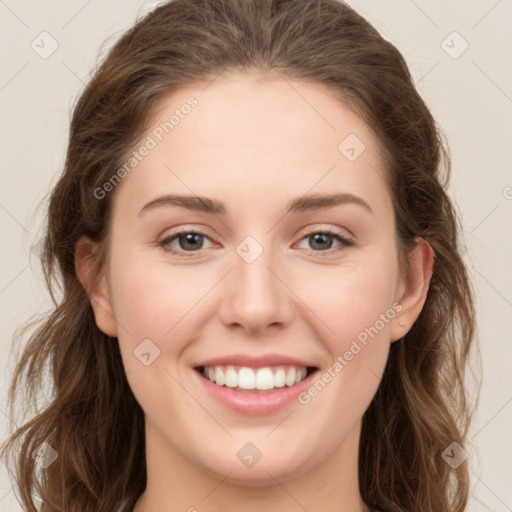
(322,241)
(188,241)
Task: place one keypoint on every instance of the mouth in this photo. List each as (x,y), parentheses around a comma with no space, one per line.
(262,380)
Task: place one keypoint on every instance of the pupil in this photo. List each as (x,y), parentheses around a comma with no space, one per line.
(189,239)
(322,237)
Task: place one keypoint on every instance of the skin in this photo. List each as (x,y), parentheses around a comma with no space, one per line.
(254,144)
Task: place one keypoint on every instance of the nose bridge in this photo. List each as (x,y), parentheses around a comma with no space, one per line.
(256,298)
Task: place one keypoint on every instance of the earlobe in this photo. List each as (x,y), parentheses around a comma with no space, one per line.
(414,288)
(95,286)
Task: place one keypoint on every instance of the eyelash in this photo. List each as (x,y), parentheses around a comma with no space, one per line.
(163,243)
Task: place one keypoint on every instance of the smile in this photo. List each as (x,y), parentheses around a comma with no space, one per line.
(246,379)
(254,391)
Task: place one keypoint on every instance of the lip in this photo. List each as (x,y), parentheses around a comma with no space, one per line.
(254,361)
(254,403)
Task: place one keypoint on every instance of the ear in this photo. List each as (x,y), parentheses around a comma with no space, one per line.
(95,286)
(413,288)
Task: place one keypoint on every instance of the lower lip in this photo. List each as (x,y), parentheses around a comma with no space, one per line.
(255,403)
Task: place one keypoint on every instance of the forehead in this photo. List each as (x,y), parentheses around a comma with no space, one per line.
(248,137)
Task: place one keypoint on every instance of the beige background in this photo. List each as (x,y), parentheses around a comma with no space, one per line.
(470,95)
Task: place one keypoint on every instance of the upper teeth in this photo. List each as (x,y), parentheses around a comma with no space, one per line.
(249,378)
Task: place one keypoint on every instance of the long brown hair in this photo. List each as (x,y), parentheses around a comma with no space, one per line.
(92,420)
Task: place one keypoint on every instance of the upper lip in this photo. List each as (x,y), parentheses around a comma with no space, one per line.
(254,361)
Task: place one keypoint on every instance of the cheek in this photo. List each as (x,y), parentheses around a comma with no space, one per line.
(358,308)
(155,307)
(356,303)
(353,296)
(151,299)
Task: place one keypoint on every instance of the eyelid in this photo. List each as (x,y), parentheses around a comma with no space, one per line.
(334,230)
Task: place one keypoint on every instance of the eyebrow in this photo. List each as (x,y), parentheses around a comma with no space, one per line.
(216,207)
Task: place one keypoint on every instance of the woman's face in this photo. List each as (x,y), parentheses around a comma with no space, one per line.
(261,286)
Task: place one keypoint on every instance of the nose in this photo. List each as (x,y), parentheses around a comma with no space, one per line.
(256,296)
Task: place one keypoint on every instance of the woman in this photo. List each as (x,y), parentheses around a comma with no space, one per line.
(207,352)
